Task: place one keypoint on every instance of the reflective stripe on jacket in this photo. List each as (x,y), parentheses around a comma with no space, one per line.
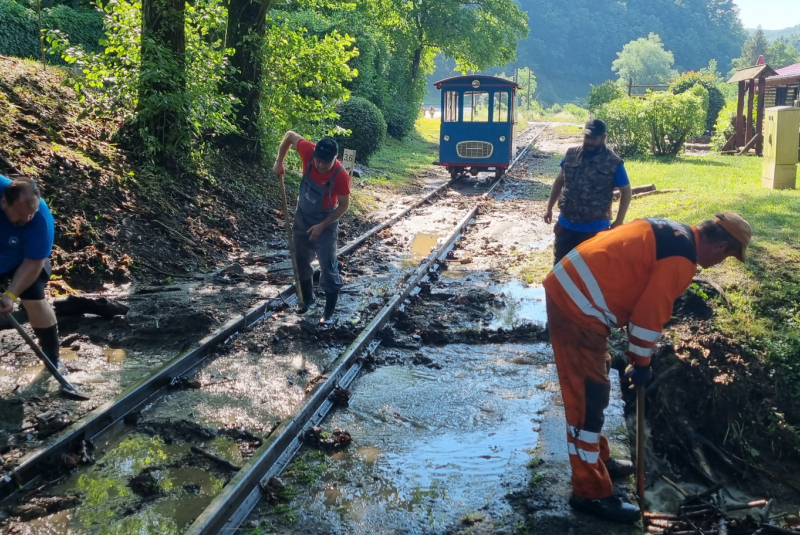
(627,277)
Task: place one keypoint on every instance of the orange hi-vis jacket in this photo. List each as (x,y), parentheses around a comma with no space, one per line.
(627,276)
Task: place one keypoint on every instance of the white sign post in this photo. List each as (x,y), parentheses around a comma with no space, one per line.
(349,159)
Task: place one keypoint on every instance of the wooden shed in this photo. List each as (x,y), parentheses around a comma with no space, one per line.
(783,89)
(748,133)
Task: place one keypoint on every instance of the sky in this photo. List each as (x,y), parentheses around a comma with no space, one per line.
(770,14)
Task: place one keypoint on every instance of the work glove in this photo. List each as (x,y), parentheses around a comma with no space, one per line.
(638,375)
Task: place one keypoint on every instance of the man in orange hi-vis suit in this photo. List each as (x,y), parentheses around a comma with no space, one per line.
(627,277)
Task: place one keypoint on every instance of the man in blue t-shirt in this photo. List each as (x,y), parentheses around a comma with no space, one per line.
(26,240)
(584,190)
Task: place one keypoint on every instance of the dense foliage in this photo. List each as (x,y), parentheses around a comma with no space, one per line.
(716,100)
(366,125)
(660,122)
(603,94)
(572,44)
(19,28)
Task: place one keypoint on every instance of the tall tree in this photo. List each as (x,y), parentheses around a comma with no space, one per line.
(780,54)
(756,45)
(477,33)
(246,25)
(162,111)
(644,62)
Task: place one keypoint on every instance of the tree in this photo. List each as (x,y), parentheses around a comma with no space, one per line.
(644,62)
(477,33)
(756,45)
(780,54)
(161,113)
(247,21)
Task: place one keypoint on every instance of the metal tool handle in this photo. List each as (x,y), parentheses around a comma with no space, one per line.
(641,441)
(39,353)
(290,239)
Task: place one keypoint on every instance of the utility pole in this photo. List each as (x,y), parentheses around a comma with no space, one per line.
(529,88)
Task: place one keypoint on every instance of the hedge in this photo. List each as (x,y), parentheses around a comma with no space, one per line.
(19,29)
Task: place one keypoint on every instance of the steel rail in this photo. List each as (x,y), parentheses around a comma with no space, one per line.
(152,387)
(238,499)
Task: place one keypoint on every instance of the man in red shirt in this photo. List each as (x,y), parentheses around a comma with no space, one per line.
(324,198)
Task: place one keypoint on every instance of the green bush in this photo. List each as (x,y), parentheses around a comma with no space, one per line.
(716,100)
(627,134)
(366,124)
(671,119)
(725,126)
(603,94)
(19,28)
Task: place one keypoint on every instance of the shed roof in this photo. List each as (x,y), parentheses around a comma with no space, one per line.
(785,75)
(467,80)
(757,71)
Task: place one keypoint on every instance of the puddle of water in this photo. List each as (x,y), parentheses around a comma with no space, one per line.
(524,304)
(114,355)
(428,448)
(110,505)
(420,247)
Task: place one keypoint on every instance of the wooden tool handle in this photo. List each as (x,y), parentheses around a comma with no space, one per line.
(641,441)
(290,240)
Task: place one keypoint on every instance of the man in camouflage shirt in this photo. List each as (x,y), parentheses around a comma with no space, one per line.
(584,190)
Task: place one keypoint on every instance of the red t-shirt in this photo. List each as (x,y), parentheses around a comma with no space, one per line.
(342,185)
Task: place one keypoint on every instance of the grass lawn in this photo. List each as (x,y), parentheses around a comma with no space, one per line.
(399,161)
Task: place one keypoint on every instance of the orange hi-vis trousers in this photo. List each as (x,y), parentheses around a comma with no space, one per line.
(583,363)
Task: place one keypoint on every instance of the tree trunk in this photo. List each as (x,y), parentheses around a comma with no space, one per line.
(246,25)
(161,112)
(415,64)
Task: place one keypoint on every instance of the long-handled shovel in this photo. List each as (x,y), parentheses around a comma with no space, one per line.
(640,445)
(67,388)
(290,239)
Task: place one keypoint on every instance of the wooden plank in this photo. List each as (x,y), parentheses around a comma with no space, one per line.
(749,146)
(740,117)
(760,116)
(730,144)
(748,132)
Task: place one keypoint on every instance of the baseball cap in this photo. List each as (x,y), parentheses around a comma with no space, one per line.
(736,227)
(326,150)
(594,128)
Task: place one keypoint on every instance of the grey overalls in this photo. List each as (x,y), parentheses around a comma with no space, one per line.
(309,213)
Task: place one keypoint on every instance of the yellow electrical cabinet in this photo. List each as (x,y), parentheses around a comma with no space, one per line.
(781,139)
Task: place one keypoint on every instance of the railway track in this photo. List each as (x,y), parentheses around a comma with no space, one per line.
(244,490)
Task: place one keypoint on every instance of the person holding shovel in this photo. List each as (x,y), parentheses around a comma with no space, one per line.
(628,277)
(26,240)
(324,198)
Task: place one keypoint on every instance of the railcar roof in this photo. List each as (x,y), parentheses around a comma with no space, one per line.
(491,81)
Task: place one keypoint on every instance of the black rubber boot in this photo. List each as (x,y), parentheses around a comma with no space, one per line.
(619,468)
(48,341)
(307,288)
(330,306)
(612,509)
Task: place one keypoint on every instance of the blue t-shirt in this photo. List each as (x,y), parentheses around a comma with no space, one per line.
(620,180)
(33,240)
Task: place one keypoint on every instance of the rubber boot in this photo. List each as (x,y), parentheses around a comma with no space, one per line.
(330,306)
(48,341)
(611,508)
(307,289)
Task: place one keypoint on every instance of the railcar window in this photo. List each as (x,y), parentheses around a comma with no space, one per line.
(476,107)
(500,114)
(450,114)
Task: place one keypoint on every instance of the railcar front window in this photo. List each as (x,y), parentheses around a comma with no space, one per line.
(476,107)
(501,108)
(450,114)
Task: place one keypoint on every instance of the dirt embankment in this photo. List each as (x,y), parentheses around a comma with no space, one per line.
(116,217)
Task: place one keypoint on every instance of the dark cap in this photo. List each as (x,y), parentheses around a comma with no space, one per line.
(326,150)
(594,128)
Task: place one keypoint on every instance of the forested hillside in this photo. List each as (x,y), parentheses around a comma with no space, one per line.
(572,44)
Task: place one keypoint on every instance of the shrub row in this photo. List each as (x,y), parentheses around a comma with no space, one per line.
(19,28)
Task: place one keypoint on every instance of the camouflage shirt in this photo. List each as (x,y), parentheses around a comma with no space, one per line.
(588,185)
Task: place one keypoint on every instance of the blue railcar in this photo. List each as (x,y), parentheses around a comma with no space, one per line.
(477,124)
